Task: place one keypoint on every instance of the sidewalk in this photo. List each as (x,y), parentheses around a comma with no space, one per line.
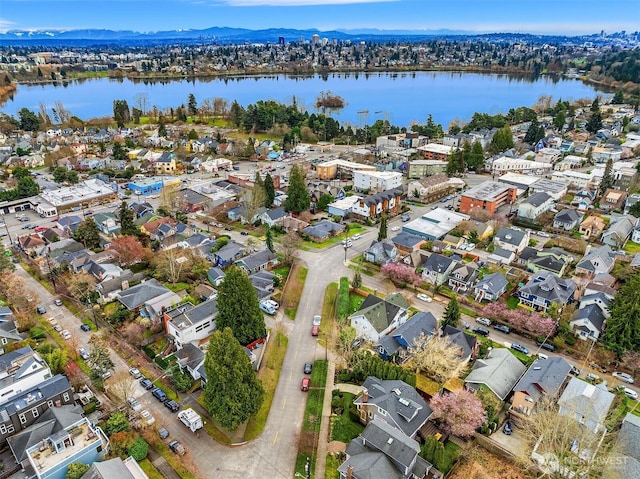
(323,439)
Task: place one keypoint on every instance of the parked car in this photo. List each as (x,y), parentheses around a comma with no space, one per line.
(304,385)
(395,228)
(65,334)
(317,319)
(147,417)
(592,377)
(135,373)
(347,243)
(84,354)
(623,377)
(146,383)
(57,302)
(575,371)
(502,327)
(480,331)
(507,429)
(57,327)
(483,321)
(547,346)
(308,367)
(172,405)
(244,233)
(41,310)
(543,234)
(163,432)
(315,330)
(520,348)
(134,404)
(424,297)
(630,393)
(356,236)
(85,327)
(177,448)
(159,394)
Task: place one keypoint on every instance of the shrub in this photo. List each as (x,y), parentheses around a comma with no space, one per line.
(343,299)
(37,333)
(118,422)
(139,449)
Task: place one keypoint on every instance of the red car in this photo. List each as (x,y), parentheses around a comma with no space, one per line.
(304,386)
(315,330)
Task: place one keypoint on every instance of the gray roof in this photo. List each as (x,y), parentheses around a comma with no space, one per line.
(588,403)
(628,444)
(405,409)
(549,263)
(407,240)
(438,262)
(138,295)
(599,259)
(545,376)
(190,355)
(499,372)
(391,441)
(229,251)
(593,313)
(537,199)
(528,253)
(567,216)
(379,313)
(109,469)
(257,260)
(323,228)
(464,341)
(191,315)
(510,236)
(547,285)
(418,324)
(492,283)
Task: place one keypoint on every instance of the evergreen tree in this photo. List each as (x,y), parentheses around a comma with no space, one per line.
(27,187)
(269,238)
(595,120)
(162,129)
(298,199)
(192,104)
(607,179)
(382,232)
(269,190)
(127,225)
(121,113)
(233,393)
(535,133)
(559,120)
(476,157)
(618,98)
(455,163)
(622,333)
(238,307)
(88,234)
(29,121)
(502,140)
(451,315)
(118,152)
(635,209)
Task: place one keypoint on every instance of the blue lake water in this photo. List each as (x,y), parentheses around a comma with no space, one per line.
(400,98)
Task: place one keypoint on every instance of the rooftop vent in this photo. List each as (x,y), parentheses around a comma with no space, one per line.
(390,440)
(396,391)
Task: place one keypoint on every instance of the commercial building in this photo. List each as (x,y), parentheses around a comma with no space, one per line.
(435,224)
(435,151)
(84,194)
(422,168)
(488,196)
(340,168)
(154,184)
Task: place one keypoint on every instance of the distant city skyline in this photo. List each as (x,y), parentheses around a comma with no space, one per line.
(564,17)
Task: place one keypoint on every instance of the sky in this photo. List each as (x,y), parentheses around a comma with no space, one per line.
(570,17)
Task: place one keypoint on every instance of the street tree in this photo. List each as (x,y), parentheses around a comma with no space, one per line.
(122,386)
(401,273)
(15,287)
(127,224)
(451,316)
(607,180)
(88,234)
(269,191)
(238,307)
(80,285)
(622,333)
(99,359)
(233,394)
(289,246)
(128,249)
(298,199)
(435,356)
(459,412)
(252,201)
(382,231)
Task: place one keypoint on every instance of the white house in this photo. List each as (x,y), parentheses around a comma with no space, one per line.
(534,206)
(377,317)
(20,371)
(376,181)
(511,239)
(187,323)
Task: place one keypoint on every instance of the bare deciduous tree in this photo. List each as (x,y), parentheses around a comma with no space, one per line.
(437,357)
(121,386)
(289,246)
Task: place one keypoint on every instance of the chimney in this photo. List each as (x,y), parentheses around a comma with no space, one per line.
(58,403)
(349,472)
(365,396)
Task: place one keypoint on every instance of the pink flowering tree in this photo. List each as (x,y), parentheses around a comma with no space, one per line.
(401,273)
(520,319)
(459,412)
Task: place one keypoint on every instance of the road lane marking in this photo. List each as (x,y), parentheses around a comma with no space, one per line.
(284,403)
(275,439)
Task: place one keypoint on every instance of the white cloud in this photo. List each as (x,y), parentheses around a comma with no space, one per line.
(6,25)
(296,3)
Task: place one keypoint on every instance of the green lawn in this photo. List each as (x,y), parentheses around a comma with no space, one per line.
(313,411)
(343,428)
(319,374)
(294,289)
(331,467)
(632,247)
(355,301)
(512,302)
